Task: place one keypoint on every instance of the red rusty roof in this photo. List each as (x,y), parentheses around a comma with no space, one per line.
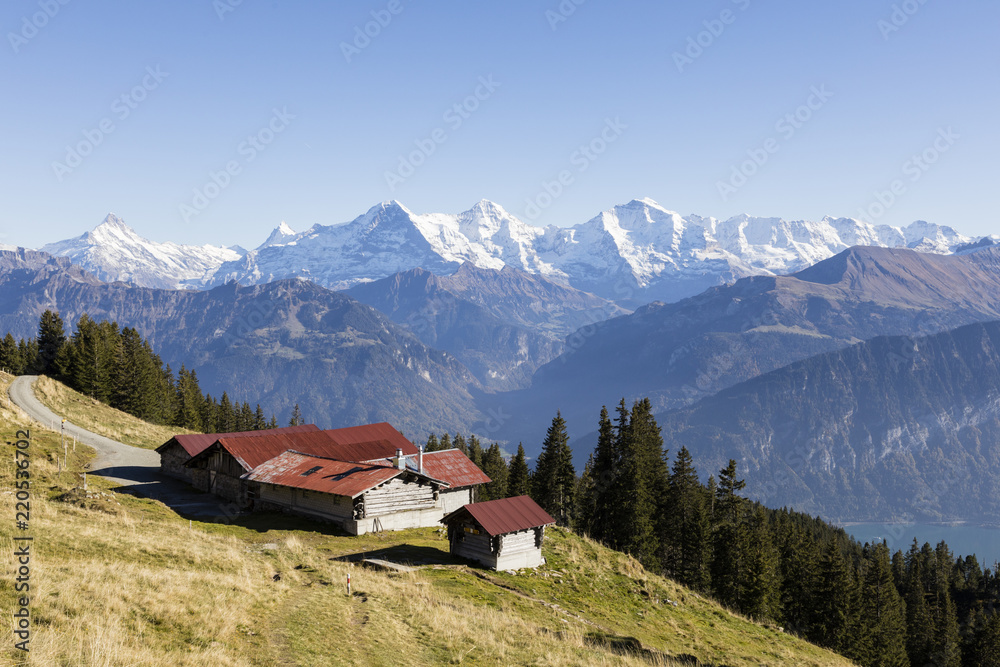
(454,467)
(507,515)
(357,443)
(341,478)
(195,443)
(368,433)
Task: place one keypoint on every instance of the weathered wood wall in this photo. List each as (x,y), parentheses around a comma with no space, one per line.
(398,495)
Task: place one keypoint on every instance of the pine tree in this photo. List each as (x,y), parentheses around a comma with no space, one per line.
(883,612)
(684,527)
(51,338)
(585,499)
(459,443)
(517,479)
(226,420)
(432,444)
(10,356)
(759,590)
(833,602)
(259,420)
(554,482)
(28,350)
(445,442)
(729,546)
(605,470)
(189,400)
(496,469)
(476,451)
(296,419)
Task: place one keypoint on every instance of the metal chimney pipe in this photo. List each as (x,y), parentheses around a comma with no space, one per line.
(400,461)
(420,459)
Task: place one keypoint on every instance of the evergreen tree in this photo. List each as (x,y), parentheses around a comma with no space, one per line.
(459,443)
(517,479)
(833,603)
(554,482)
(476,451)
(729,545)
(496,469)
(10,356)
(605,470)
(296,419)
(210,415)
(759,591)
(883,612)
(684,530)
(585,499)
(432,444)
(445,442)
(51,338)
(189,400)
(226,420)
(28,350)
(259,420)
(919,628)
(273,423)
(799,571)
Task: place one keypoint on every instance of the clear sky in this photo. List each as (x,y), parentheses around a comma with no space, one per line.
(684,93)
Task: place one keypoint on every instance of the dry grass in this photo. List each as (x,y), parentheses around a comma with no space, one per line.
(99,418)
(126,583)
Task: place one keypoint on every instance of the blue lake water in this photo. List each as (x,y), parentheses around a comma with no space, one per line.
(962,540)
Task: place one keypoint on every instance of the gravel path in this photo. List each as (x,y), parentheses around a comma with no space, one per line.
(133,467)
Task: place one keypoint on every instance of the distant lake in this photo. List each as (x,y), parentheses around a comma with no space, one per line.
(962,540)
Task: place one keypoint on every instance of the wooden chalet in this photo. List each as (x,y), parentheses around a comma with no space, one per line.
(176,452)
(364,478)
(501,534)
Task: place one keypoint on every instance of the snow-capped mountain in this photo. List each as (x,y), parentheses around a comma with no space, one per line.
(114,252)
(632,253)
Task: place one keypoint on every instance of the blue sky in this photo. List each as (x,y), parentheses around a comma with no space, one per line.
(886,81)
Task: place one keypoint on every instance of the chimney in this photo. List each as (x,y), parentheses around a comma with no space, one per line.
(420,459)
(400,461)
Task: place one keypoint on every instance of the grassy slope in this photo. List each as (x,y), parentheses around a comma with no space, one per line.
(119,580)
(99,418)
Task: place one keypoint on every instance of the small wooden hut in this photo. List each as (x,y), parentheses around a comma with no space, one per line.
(501,534)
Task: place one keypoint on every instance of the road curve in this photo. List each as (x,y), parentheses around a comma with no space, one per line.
(129,466)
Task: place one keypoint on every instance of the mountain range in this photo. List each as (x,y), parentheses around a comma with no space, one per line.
(891,429)
(481,323)
(632,253)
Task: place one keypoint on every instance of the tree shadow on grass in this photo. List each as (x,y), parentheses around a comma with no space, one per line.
(630,646)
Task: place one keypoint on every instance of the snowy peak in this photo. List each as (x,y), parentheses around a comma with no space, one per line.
(281,235)
(631,253)
(113,251)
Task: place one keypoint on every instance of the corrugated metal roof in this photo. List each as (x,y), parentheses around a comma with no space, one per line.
(507,515)
(357,443)
(454,467)
(340,478)
(195,443)
(368,433)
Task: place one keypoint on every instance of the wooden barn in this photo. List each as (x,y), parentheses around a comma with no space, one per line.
(176,452)
(359,497)
(501,534)
(364,478)
(227,460)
